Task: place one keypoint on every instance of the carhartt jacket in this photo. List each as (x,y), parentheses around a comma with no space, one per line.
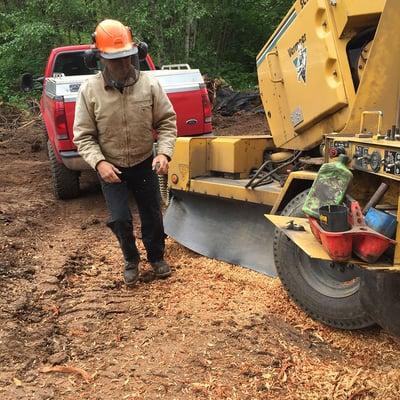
(117,127)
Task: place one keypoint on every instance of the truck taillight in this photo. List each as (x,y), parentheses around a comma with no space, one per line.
(207,110)
(60,121)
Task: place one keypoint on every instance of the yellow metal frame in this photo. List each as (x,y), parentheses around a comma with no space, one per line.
(378,129)
(289,184)
(228,190)
(237,155)
(196,160)
(322,30)
(189,160)
(303,239)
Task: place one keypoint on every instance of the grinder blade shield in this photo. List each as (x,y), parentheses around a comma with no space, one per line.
(226,230)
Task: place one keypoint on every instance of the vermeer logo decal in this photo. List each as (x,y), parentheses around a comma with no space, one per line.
(298,54)
(303,3)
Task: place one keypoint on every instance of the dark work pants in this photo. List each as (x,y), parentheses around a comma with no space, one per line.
(142,182)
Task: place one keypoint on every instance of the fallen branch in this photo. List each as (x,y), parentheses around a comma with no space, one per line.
(67,369)
(28,123)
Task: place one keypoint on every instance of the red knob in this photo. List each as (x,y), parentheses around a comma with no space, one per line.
(333,152)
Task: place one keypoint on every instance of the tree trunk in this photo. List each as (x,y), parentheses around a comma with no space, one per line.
(158,33)
(194,35)
(189,21)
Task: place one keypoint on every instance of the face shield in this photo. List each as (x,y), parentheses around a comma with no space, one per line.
(121,73)
(121,69)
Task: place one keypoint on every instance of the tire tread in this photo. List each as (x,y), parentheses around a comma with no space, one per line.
(65,181)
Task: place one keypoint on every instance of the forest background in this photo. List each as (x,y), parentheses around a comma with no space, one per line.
(220,37)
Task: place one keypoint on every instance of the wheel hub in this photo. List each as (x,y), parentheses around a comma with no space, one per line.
(337,280)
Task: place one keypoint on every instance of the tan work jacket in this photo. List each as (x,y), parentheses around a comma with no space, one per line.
(117,127)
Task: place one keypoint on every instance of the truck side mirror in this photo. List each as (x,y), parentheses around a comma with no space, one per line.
(143,49)
(27,82)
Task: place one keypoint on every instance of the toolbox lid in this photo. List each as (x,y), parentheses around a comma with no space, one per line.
(172,81)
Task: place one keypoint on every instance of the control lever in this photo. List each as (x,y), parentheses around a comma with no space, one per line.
(395,164)
(377,197)
(366,157)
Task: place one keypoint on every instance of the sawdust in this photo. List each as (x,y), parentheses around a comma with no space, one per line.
(211,331)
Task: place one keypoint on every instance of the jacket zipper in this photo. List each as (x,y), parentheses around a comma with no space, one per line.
(127,161)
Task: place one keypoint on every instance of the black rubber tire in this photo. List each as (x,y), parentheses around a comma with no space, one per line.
(65,181)
(344,312)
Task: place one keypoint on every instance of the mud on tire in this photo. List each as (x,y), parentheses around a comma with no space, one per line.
(65,181)
(328,292)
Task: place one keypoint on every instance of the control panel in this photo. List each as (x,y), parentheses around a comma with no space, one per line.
(369,155)
(338,148)
(392,162)
(365,159)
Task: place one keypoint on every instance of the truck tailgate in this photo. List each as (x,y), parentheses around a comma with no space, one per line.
(185,89)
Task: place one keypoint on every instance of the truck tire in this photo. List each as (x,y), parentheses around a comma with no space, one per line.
(328,292)
(65,181)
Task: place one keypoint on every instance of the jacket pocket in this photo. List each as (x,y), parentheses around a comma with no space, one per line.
(111,143)
(109,134)
(142,113)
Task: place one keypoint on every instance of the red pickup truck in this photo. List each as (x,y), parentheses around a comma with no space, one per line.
(64,73)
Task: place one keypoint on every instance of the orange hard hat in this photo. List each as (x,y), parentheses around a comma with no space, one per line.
(114,40)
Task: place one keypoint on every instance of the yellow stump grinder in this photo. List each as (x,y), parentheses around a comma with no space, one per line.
(329,80)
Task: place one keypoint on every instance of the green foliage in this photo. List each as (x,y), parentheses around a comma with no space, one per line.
(220,37)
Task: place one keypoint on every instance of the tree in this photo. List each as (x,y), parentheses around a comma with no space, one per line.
(220,37)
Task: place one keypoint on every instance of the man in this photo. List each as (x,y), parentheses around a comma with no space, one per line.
(115,115)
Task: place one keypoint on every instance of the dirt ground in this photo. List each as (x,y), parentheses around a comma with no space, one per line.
(242,123)
(211,331)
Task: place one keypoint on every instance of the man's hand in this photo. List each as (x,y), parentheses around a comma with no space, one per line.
(160,164)
(108,172)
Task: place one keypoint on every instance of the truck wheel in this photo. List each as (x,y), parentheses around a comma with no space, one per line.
(65,181)
(329,292)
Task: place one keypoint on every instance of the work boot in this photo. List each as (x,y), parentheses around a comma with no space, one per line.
(131,272)
(161,269)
